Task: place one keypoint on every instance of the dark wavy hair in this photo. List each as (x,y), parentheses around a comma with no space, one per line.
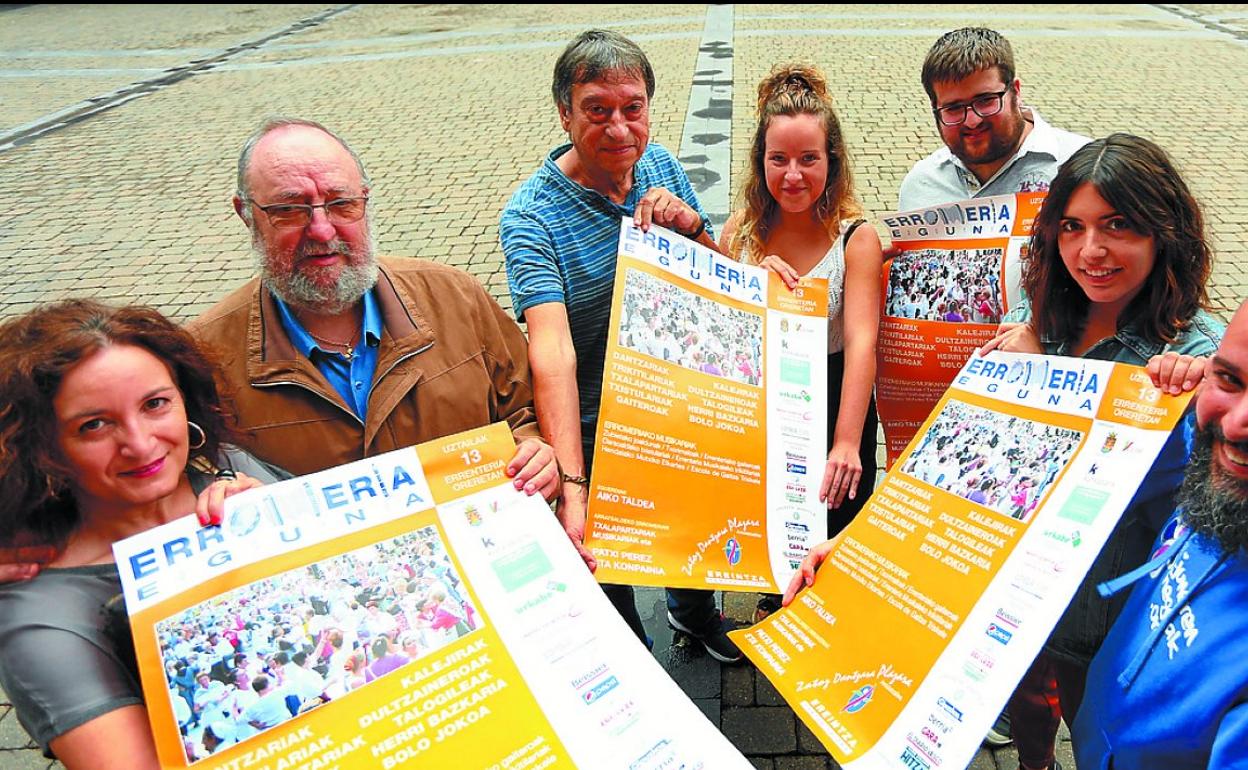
(1138,179)
(37,350)
(793,89)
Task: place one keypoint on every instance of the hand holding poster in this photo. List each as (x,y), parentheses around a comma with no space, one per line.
(441,618)
(711,434)
(944,295)
(935,600)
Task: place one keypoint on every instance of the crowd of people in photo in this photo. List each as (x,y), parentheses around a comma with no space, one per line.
(999,461)
(116,420)
(250,659)
(663,320)
(956,286)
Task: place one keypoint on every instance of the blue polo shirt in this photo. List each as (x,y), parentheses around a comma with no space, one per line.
(560,239)
(352,379)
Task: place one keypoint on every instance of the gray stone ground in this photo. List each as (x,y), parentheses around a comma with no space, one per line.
(119,126)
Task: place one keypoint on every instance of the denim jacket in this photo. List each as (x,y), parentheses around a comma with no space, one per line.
(1129,345)
(1086,621)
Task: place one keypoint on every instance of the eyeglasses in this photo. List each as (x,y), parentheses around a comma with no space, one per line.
(985,106)
(339,211)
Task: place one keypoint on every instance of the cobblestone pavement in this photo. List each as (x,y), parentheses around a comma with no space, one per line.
(119,127)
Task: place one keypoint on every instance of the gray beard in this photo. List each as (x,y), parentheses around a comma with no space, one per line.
(1212,505)
(298,290)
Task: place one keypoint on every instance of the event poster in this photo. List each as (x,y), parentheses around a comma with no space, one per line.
(711,436)
(934,601)
(958,274)
(407,610)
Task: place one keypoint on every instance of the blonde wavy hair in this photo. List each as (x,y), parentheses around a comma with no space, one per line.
(793,89)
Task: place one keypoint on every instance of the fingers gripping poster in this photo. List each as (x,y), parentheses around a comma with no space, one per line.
(712,431)
(956,277)
(932,604)
(410,610)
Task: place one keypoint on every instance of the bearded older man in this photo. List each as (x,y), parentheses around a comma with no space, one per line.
(1168,688)
(332,354)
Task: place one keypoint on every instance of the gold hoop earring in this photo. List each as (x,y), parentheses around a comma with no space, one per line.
(56,485)
(203,437)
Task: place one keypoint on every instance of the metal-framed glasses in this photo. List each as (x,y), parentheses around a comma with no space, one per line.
(985,106)
(339,211)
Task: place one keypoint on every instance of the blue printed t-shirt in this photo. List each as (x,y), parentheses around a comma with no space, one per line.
(353,379)
(560,239)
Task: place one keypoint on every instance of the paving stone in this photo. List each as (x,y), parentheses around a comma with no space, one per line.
(1065,752)
(1006,757)
(12,736)
(807,743)
(762,763)
(697,673)
(740,606)
(710,707)
(985,760)
(26,759)
(760,729)
(801,763)
(765,693)
(738,685)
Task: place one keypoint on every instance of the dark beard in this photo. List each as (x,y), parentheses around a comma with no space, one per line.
(1212,504)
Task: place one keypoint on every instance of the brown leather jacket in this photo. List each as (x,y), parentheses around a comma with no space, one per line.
(449,360)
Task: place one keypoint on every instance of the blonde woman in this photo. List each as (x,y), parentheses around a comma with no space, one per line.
(800,217)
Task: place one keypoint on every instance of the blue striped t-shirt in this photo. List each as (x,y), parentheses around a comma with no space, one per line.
(559,240)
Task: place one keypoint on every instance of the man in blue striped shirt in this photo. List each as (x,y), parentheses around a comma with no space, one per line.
(559,233)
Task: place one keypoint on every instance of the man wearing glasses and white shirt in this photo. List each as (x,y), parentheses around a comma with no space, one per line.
(993,144)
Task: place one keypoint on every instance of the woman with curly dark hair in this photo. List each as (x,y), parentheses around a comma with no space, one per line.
(800,217)
(110,424)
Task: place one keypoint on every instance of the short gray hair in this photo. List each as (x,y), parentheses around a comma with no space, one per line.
(272,124)
(593,54)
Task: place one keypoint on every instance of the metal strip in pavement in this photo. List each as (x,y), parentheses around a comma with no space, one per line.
(1208,22)
(85,110)
(706,142)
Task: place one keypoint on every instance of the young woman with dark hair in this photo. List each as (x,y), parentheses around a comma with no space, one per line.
(1117,271)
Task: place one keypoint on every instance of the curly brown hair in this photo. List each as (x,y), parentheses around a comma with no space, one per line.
(793,89)
(37,350)
(1138,179)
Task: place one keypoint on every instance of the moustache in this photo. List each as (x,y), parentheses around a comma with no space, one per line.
(1216,434)
(337,245)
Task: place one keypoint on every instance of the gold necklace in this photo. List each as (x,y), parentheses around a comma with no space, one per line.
(349,353)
